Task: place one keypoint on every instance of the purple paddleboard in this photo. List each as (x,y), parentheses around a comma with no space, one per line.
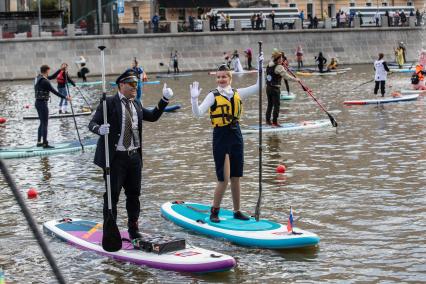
(88,235)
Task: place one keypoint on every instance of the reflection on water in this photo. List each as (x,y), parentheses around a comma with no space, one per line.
(361,189)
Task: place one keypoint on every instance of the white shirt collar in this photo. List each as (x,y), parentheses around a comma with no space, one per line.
(227,91)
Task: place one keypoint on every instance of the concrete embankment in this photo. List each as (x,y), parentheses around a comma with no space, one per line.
(21,58)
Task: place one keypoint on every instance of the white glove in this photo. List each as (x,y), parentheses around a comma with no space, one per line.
(194,90)
(104,129)
(167,92)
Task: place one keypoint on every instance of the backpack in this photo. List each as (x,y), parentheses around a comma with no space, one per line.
(415,79)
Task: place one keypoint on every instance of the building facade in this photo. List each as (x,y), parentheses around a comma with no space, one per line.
(175,10)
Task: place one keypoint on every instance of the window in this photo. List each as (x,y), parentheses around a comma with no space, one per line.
(181,13)
(135,14)
(409,3)
(292,5)
(368,4)
(384,4)
(351,4)
(162,14)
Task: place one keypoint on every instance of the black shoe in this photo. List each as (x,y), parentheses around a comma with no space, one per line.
(214,215)
(134,234)
(241,216)
(47,146)
(39,144)
(133,230)
(268,122)
(60,111)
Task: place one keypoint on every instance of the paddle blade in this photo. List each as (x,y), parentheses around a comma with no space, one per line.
(111,238)
(332,120)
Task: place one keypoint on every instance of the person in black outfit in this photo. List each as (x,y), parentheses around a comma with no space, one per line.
(321,62)
(125,116)
(83,72)
(275,72)
(43,88)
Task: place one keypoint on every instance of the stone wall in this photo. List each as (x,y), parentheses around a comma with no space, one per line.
(21,58)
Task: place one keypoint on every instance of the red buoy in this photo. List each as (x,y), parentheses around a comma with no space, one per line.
(27,106)
(32,193)
(2,120)
(281,169)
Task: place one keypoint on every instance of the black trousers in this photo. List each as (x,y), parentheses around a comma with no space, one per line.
(321,68)
(43,114)
(125,173)
(382,87)
(273,94)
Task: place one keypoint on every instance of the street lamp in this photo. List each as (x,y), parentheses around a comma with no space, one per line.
(99,16)
(39,17)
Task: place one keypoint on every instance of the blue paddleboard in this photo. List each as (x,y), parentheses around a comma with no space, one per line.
(169,108)
(263,234)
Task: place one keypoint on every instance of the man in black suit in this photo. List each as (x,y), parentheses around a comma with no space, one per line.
(125,116)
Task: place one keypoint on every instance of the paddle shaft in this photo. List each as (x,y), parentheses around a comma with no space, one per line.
(259,200)
(31,222)
(84,98)
(309,92)
(72,111)
(104,110)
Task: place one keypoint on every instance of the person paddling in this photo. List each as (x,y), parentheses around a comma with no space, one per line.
(141,75)
(275,72)
(224,104)
(236,63)
(299,57)
(417,79)
(175,59)
(43,88)
(381,69)
(83,70)
(125,116)
(62,78)
(321,62)
(332,65)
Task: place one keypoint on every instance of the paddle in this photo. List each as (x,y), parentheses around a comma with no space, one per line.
(31,222)
(72,111)
(111,238)
(369,81)
(309,92)
(259,200)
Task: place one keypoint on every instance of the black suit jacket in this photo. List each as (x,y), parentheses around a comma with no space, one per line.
(114,118)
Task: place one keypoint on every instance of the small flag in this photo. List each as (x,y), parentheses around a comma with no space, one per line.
(2,281)
(290,221)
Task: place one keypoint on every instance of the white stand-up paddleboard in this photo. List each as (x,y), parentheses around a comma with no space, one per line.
(383,100)
(87,235)
(59,148)
(288,127)
(238,73)
(263,234)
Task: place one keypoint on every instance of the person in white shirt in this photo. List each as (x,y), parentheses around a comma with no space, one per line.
(225,106)
(381,71)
